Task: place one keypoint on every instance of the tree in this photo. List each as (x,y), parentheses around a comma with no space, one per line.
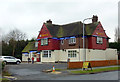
(11,39)
(116,35)
(119,34)
(115,45)
(20,45)
(33,39)
(16,35)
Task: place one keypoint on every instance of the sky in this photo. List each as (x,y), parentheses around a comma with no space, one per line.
(28,16)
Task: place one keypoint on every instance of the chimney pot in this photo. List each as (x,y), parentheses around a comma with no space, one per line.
(49,21)
(95,18)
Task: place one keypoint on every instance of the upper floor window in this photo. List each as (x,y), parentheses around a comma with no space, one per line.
(72,40)
(36,44)
(99,40)
(44,41)
(62,42)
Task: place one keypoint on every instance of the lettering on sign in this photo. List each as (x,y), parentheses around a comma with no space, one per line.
(99,33)
(43,35)
(86,65)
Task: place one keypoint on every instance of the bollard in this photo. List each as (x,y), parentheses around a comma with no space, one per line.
(53,68)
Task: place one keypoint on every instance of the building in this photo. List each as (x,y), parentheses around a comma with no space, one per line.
(31,51)
(57,43)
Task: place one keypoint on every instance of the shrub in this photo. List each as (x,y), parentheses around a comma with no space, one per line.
(3,65)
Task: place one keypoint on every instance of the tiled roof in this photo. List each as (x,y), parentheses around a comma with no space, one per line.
(30,46)
(71,29)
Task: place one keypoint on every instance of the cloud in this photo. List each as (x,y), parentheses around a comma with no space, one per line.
(28,16)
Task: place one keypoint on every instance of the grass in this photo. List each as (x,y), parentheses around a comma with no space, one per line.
(95,70)
(4,80)
(5,73)
(57,69)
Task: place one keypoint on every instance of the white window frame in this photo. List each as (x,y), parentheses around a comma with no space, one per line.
(72,40)
(62,42)
(36,44)
(72,53)
(99,40)
(48,53)
(44,41)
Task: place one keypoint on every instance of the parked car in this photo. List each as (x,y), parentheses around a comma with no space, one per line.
(10,59)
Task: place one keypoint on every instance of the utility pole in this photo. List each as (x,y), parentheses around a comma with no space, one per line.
(84,55)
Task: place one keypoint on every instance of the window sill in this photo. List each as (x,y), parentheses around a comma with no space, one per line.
(45,45)
(72,44)
(99,43)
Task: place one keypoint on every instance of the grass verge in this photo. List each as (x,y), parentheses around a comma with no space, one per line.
(5,73)
(95,70)
(57,69)
(4,80)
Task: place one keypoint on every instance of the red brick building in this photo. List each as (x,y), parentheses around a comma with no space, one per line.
(60,42)
(52,34)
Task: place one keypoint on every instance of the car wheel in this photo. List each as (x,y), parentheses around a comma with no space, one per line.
(18,62)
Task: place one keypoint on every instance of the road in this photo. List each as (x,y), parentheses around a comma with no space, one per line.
(34,72)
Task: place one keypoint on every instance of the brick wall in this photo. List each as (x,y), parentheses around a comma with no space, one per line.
(118,62)
(72,65)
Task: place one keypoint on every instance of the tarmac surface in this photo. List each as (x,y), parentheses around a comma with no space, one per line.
(26,71)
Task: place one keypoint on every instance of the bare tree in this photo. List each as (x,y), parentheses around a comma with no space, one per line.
(116,35)
(16,35)
(119,34)
(12,37)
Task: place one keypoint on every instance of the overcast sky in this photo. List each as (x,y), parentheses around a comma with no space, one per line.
(29,15)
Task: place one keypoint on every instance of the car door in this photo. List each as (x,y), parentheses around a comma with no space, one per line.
(12,59)
(7,59)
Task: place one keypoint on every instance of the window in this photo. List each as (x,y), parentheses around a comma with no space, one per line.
(36,44)
(44,41)
(99,40)
(72,40)
(12,57)
(62,42)
(72,53)
(7,57)
(26,54)
(47,54)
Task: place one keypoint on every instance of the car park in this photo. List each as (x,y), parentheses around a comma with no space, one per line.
(10,59)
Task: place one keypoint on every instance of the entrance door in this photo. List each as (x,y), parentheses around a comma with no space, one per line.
(38,58)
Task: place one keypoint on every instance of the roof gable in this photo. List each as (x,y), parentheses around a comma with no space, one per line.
(99,31)
(44,33)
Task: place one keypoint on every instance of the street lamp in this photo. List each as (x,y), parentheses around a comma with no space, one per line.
(84,55)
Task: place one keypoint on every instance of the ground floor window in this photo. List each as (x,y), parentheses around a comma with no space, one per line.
(26,54)
(47,53)
(72,53)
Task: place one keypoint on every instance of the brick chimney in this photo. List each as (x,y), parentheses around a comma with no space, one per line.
(94,18)
(49,21)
